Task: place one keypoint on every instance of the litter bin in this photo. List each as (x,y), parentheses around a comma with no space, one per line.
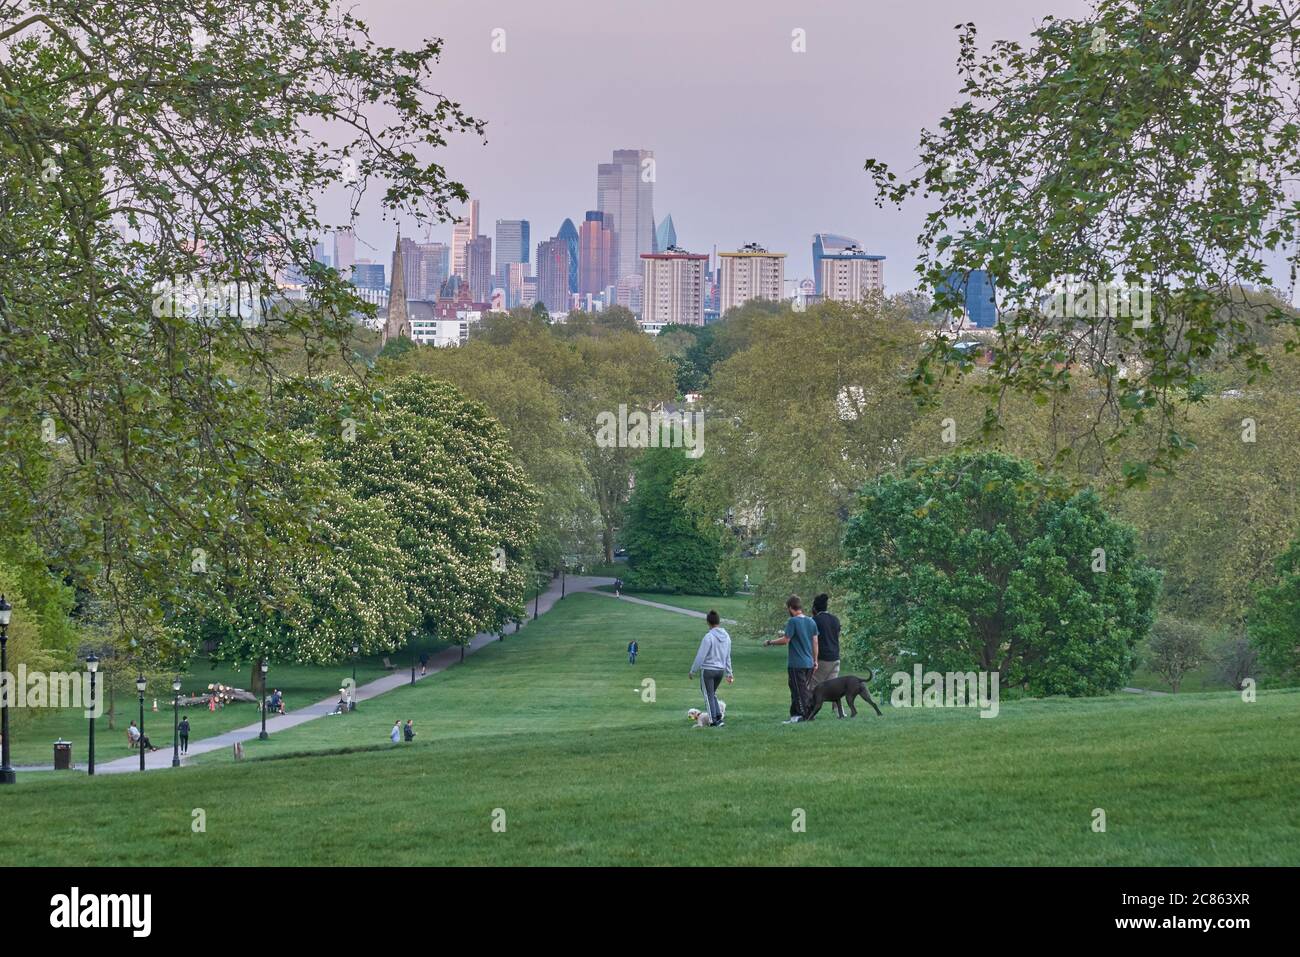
(62,755)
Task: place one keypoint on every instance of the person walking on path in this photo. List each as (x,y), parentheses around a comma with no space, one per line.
(424,662)
(632,649)
(800,635)
(828,641)
(713,662)
(184,730)
(618,588)
(396,735)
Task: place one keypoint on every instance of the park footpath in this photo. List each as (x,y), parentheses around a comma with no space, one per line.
(162,758)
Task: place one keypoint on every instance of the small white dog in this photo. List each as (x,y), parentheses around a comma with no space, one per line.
(703,719)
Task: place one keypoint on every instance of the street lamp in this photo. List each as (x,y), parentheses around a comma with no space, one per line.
(7,775)
(176,721)
(564,571)
(140,685)
(263,736)
(352,698)
(92,665)
(538,593)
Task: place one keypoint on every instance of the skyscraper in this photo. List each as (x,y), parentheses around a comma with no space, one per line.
(625,193)
(461,234)
(426,266)
(674,287)
(553,274)
(852,270)
(569,233)
(398,321)
(515,277)
(595,254)
(368,275)
(665,235)
(345,251)
(976,290)
(478,267)
(512,244)
(751,273)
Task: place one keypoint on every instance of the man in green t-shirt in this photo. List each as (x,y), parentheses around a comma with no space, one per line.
(800,635)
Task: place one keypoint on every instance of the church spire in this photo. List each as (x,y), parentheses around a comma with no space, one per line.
(398,322)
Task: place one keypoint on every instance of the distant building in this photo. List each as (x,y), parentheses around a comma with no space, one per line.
(665,235)
(528,297)
(512,244)
(843,271)
(674,287)
(461,235)
(625,194)
(478,267)
(569,233)
(630,293)
(553,274)
(750,273)
(345,250)
(979,297)
(515,276)
(426,265)
(368,275)
(595,254)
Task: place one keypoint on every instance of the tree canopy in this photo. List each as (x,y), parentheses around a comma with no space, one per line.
(980,561)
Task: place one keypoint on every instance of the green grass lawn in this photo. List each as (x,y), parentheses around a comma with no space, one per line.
(32,738)
(551,728)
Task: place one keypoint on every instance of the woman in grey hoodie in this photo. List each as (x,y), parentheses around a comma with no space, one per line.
(713,661)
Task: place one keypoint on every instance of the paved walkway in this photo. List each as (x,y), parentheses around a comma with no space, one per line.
(653,604)
(162,758)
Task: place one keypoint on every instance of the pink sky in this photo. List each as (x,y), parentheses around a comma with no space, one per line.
(753,142)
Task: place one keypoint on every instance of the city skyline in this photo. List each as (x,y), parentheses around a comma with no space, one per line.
(752,141)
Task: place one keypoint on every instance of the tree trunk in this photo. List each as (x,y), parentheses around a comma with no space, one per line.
(256,684)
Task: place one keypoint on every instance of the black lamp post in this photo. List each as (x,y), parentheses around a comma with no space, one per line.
(92,665)
(537,594)
(176,721)
(140,685)
(352,698)
(7,775)
(263,736)
(564,572)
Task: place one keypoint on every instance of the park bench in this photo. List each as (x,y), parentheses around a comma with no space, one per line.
(389,665)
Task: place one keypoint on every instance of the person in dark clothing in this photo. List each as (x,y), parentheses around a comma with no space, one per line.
(632,649)
(408,731)
(424,660)
(801,635)
(183,729)
(828,641)
(618,587)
